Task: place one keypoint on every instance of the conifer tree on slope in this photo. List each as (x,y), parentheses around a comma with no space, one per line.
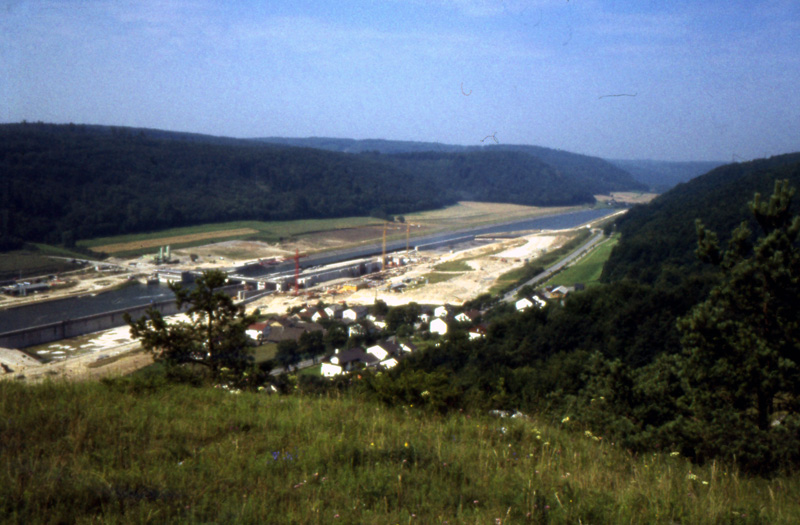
(742,344)
(214,336)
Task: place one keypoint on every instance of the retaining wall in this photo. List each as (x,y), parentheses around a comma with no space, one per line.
(37,335)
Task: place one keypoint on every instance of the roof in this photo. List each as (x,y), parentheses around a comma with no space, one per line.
(352,355)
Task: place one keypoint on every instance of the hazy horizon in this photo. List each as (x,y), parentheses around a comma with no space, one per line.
(622,79)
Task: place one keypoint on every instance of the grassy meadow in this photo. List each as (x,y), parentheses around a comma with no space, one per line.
(588,269)
(139,451)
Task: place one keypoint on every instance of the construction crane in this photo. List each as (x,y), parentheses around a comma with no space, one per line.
(297,256)
(383,253)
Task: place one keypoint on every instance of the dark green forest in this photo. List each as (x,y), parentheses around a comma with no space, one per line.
(659,239)
(62,183)
(595,174)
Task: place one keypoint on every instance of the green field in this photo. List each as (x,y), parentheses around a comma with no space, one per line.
(138,450)
(453,266)
(588,269)
(265,352)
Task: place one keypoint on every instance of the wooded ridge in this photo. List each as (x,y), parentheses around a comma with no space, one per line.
(62,183)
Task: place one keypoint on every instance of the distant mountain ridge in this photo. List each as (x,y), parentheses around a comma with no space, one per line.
(660,176)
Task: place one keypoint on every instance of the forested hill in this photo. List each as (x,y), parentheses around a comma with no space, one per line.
(661,235)
(62,183)
(595,174)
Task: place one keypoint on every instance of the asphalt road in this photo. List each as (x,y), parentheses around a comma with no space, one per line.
(511,296)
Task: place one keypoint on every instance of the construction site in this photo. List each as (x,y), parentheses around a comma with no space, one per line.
(274,279)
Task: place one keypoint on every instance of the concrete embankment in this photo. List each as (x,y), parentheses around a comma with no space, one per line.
(37,335)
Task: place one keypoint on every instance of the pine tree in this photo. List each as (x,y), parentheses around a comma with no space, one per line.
(742,344)
(214,336)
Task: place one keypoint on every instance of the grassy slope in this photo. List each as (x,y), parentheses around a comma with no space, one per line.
(119,454)
(588,269)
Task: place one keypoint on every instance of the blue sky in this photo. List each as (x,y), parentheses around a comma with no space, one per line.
(712,80)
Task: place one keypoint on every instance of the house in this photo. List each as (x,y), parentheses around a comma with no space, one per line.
(477,332)
(355,313)
(442,311)
(346,360)
(334,311)
(388,363)
(378,321)
(468,317)
(425,314)
(319,315)
(523,304)
(558,293)
(257,331)
(384,350)
(408,347)
(438,326)
(285,329)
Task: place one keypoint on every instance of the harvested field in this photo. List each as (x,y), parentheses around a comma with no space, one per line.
(178,239)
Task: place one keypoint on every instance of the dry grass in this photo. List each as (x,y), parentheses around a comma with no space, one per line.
(177,239)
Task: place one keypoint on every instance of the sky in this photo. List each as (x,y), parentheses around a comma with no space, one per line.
(627,79)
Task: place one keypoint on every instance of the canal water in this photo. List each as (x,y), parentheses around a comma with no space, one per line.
(139,294)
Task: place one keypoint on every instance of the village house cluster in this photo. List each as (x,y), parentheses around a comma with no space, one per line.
(370,342)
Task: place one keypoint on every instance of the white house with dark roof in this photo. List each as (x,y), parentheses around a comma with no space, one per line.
(334,311)
(477,332)
(384,349)
(355,313)
(467,317)
(346,360)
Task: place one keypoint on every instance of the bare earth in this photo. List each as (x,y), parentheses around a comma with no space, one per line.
(163,241)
